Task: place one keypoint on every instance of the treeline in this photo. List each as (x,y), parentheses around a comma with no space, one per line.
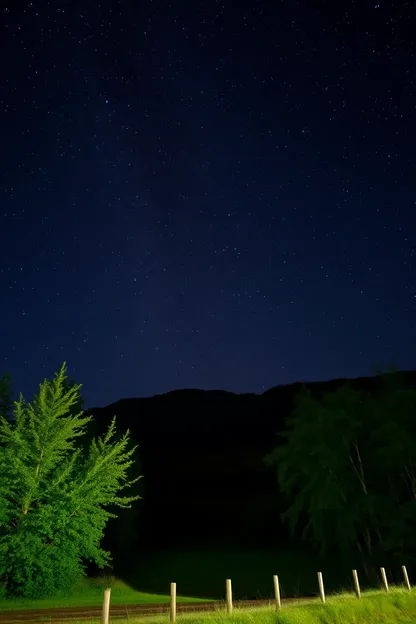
(346,464)
(344,458)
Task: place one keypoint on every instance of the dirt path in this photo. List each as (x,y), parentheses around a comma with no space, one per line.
(68,614)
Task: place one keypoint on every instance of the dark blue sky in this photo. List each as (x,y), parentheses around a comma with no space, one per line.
(206,194)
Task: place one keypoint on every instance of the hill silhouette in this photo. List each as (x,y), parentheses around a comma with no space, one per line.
(201,454)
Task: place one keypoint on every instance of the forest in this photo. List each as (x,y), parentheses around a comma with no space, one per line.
(304,472)
(303,475)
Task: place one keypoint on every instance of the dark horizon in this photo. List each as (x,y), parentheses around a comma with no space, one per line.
(301,382)
(88,405)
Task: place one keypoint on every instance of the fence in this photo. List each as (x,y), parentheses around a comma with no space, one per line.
(276,586)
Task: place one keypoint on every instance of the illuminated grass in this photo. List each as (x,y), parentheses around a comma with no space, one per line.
(90,594)
(374,607)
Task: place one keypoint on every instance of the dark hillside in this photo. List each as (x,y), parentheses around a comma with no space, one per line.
(202,456)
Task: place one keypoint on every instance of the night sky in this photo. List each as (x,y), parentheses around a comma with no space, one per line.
(217,195)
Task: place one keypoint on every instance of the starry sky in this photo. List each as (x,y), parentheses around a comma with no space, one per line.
(206,194)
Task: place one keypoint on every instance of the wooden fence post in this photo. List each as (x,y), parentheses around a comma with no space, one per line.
(356,583)
(277,591)
(173,603)
(384,577)
(106,607)
(406,578)
(321,586)
(229,596)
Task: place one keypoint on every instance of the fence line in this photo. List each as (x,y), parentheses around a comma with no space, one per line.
(229,595)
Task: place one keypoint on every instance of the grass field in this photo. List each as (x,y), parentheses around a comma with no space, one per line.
(399,606)
(200,576)
(375,607)
(90,594)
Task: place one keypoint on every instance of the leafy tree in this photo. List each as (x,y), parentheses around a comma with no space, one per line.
(317,467)
(348,469)
(54,494)
(79,405)
(393,444)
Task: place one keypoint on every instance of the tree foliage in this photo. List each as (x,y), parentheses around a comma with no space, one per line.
(347,466)
(55,494)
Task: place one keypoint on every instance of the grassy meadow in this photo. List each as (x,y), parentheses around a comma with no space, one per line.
(374,607)
(200,576)
(90,594)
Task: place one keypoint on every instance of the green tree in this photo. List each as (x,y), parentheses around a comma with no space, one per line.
(393,444)
(54,494)
(346,465)
(79,405)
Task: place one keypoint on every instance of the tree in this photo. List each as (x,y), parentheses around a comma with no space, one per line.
(393,444)
(55,494)
(347,468)
(78,405)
